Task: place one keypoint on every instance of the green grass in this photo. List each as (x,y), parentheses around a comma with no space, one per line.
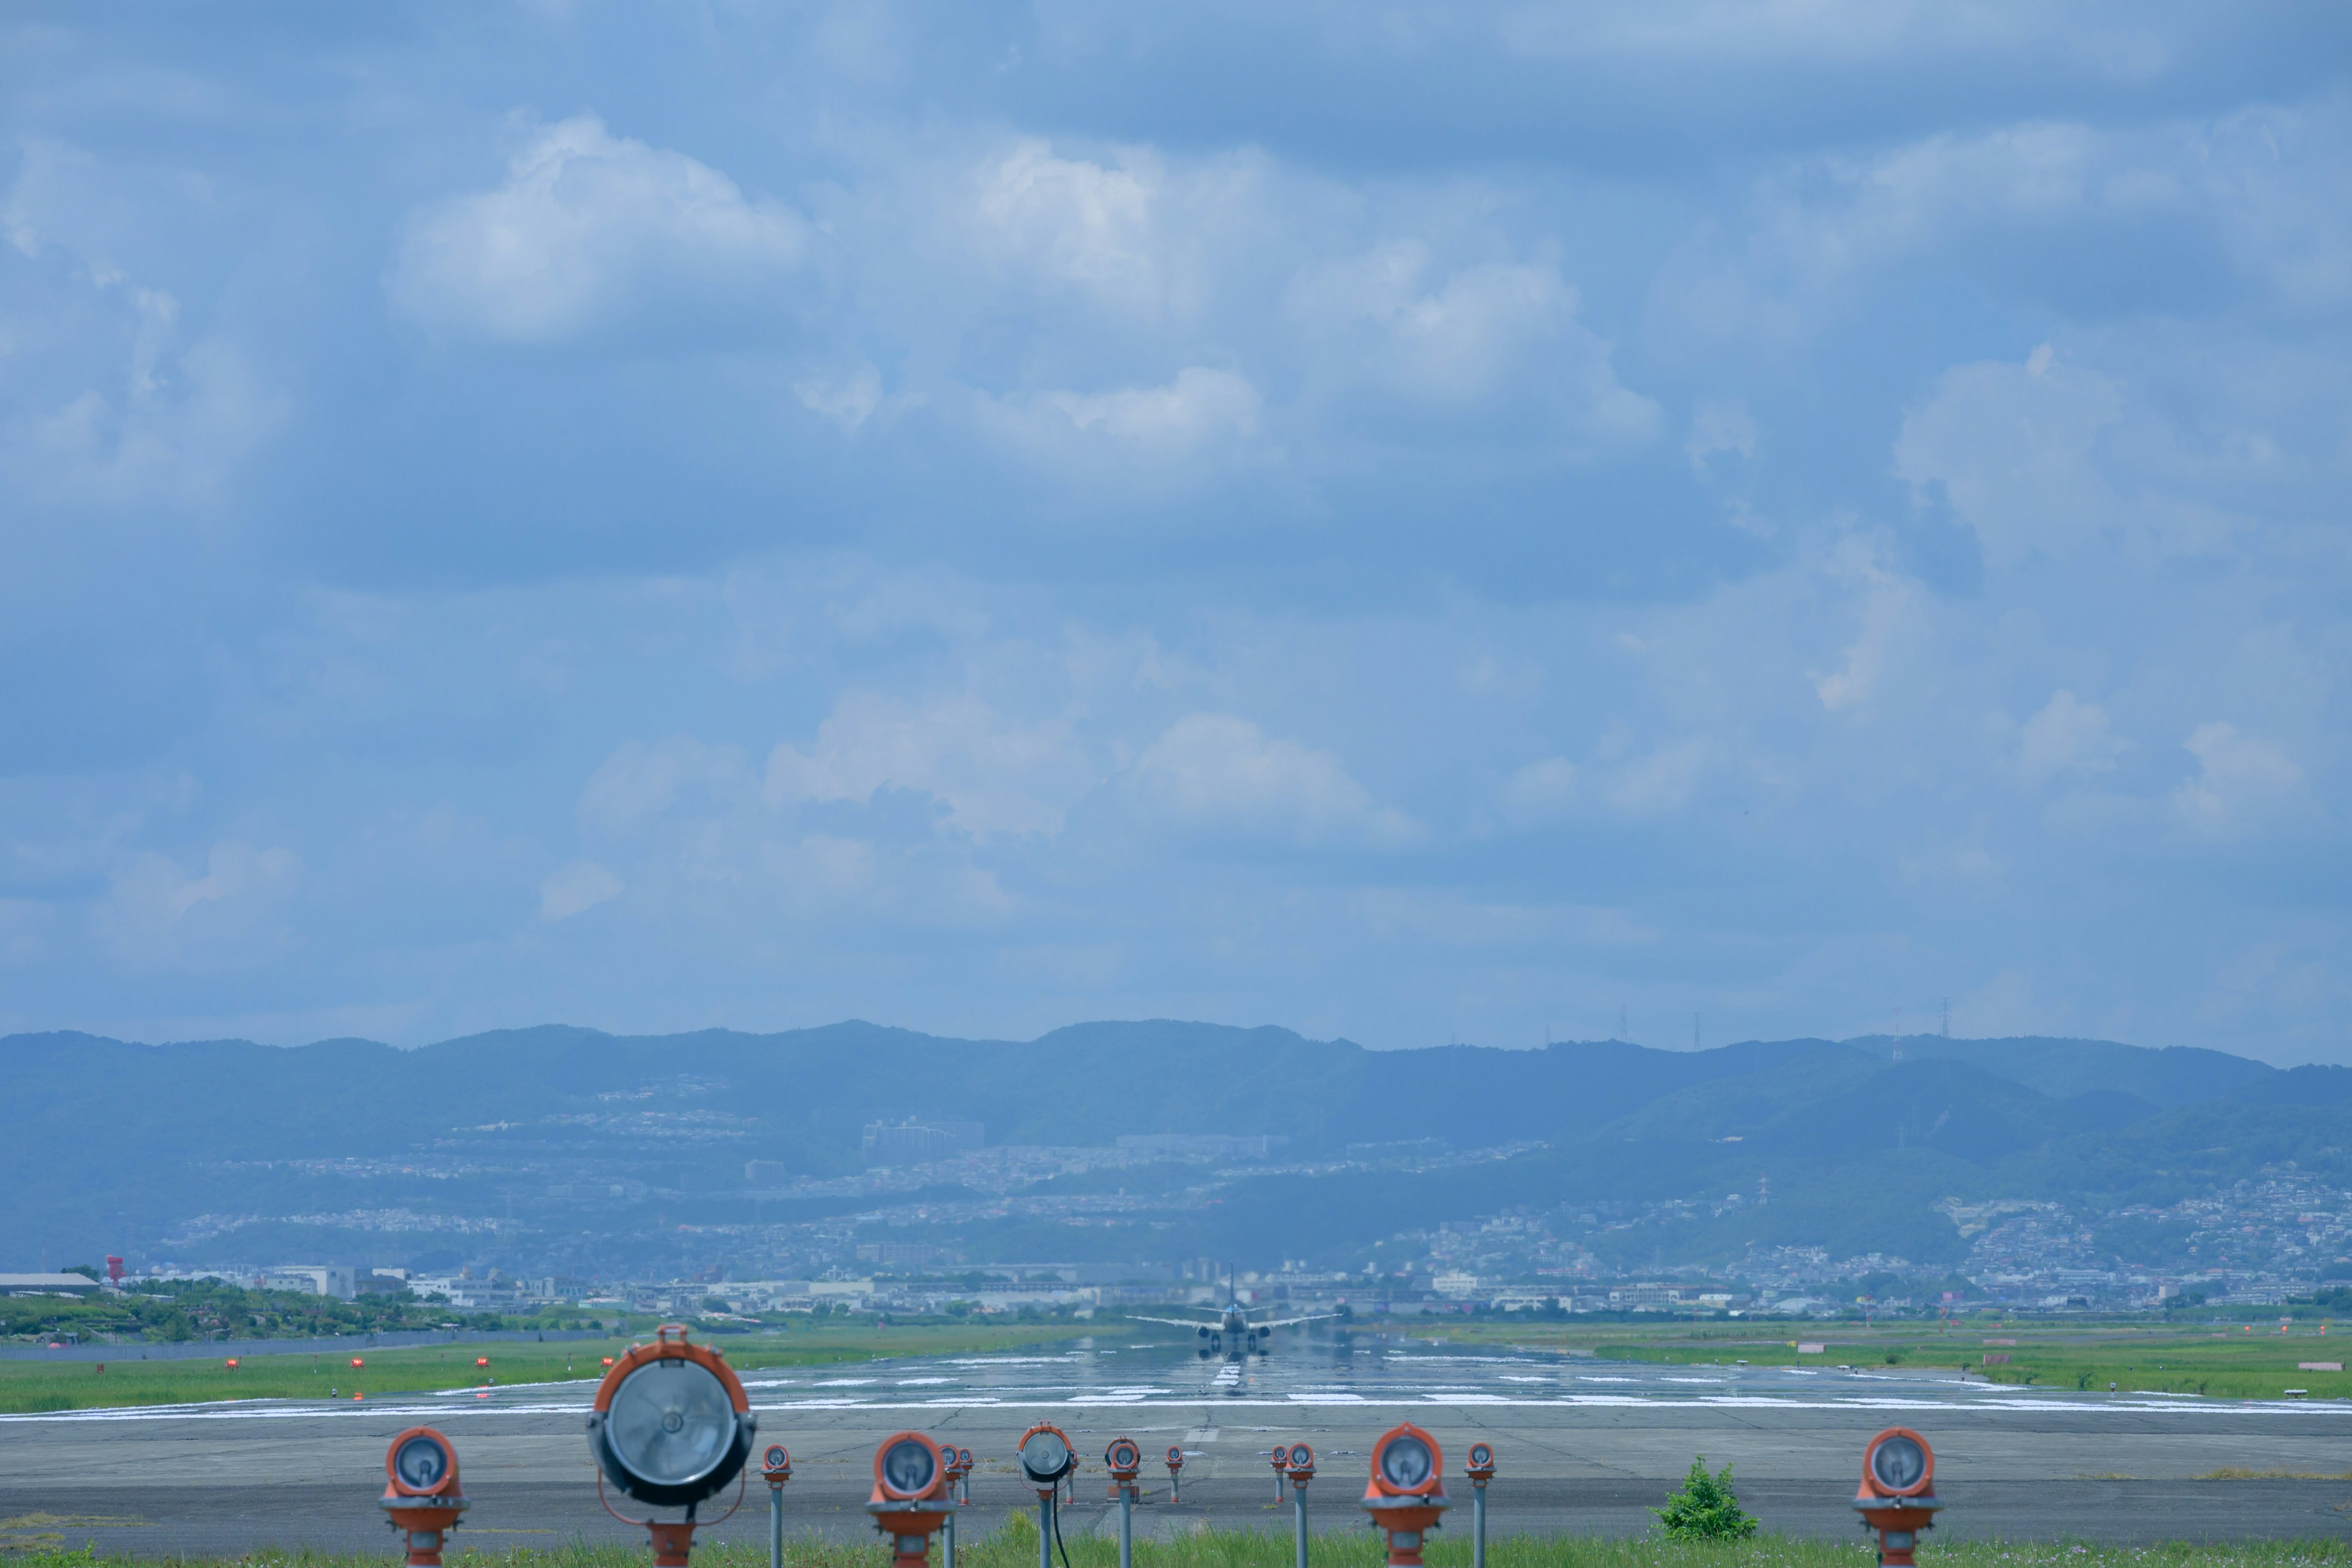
(28,1387)
(1016,1547)
(2152,1357)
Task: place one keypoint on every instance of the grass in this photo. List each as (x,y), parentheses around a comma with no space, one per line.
(1015,1546)
(30,1387)
(2147,1357)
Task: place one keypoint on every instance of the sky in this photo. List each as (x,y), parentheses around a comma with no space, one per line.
(1481,521)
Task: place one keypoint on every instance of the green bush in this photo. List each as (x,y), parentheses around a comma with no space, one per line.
(1704,1510)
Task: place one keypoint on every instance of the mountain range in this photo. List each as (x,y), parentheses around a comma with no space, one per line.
(1863,1144)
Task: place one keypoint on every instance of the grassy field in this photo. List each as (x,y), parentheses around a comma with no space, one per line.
(1016,1547)
(2145,1357)
(32,1386)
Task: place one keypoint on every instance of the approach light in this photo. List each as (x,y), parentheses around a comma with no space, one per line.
(1480,1470)
(358,1362)
(1175,1472)
(481,1361)
(1406,1463)
(1897,1498)
(1406,1494)
(1898,1464)
(1046,1456)
(671,1424)
(1301,1464)
(776,1464)
(910,1498)
(908,1467)
(1123,1460)
(232,1363)
(421,1500)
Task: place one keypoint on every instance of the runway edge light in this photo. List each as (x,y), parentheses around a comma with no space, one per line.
(910,1498)
(670,1426)
(776,1468)
(1897,1498)
(1480,1470)
(1046,1458)
(1407,1493)
(1124,1459)
(421,1498)
(1301,1465)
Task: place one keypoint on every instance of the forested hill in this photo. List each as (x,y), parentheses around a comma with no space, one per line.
(106,1133)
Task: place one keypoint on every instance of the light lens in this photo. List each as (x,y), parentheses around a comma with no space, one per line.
(1045,1456)
(776,1457)
(908,1467)
(670,1421)
(1897,1463)
(421,1463)
(1481,1455)
(1405,1462)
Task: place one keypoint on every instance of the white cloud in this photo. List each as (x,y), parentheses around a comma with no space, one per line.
(588,225)
(1888,601)
(995,778)
(156,915)
(575,890)
(1539,792)
(1077,221)
(2043,459)
(640,782)
(1217,771)
(1202,419)
(149,416)
(1487,338)
(2067,736)
(2242,783)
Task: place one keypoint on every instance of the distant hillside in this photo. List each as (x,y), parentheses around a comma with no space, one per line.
(114,1145)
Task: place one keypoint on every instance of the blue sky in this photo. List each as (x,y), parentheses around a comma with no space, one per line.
(1420,523)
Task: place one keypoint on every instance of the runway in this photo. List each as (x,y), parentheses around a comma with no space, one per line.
(1582,1446)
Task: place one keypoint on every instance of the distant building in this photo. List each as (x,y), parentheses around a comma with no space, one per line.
(311,1279)
(918,1142)
(767,1173)
(900,1253)
(47,1285)
(1203,1145)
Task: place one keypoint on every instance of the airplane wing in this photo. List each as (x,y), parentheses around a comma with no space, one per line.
(1173,1322)
(1293,1322)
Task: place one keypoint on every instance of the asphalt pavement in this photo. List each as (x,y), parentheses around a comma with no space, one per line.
(1582,1447)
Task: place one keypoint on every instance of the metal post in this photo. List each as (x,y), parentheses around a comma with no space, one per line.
(1125,1527)
(1045,1527)
(1477,1526)
(776,1527)
(1299,1494)
(946,1543)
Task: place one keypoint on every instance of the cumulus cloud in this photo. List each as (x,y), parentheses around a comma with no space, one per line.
(992,778)
(123,407)
(589,224)
(575,890)
(2242,783)
(231,914)
(1539,792)
(640,782)
(1219,772)
(2066,736)
(1489,339)
(2028,455)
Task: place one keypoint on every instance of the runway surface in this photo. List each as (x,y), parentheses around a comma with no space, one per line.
(1582,1446)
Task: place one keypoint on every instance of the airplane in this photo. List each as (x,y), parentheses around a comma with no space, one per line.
(1233,1326)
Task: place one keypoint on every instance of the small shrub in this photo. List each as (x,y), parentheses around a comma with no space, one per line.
(1704,1510)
